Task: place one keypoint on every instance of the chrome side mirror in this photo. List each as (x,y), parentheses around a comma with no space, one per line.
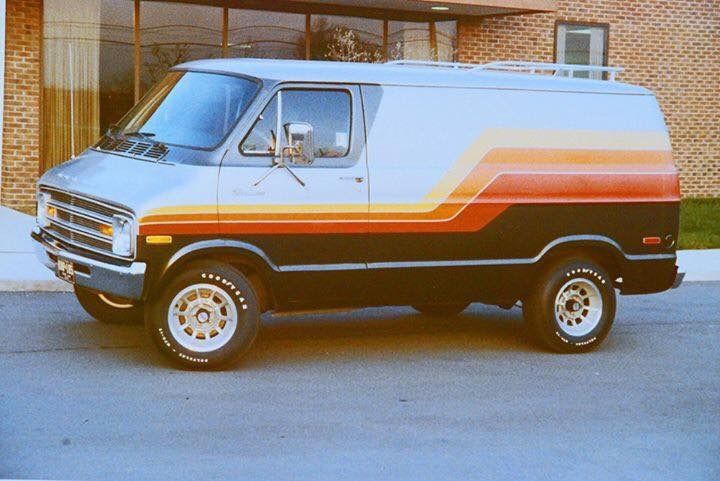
(301,148)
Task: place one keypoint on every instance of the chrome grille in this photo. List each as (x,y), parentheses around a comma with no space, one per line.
(78,221)
(134,148)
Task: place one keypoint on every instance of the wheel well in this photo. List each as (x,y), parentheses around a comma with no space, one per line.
(252,267)
(605,255)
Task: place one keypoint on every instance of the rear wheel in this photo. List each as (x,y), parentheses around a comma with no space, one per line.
(108,308)
(441,310)
(207,317)
(572,307)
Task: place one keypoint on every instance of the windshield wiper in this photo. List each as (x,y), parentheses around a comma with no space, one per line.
(138,133)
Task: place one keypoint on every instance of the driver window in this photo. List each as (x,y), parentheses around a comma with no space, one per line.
(328,111)
(262,137)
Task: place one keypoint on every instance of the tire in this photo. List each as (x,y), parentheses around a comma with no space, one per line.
(572,307)
(441,310)
(219,329)
(109,309)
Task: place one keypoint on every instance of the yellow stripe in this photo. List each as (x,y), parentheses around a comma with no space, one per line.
(487,141)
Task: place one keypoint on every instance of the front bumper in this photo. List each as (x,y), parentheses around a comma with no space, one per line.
(122,281)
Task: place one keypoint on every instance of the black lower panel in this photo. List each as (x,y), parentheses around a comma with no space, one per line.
(322,270)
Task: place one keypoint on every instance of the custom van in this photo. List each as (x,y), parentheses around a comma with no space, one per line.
(237,187)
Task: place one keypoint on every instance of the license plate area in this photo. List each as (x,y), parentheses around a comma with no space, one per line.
(65,270)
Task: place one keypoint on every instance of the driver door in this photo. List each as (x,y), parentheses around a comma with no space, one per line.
(310,220)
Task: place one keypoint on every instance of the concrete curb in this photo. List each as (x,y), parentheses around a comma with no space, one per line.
(34,286)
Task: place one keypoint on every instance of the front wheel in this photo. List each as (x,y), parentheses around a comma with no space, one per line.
(109,309)
(572,307)
(207,317)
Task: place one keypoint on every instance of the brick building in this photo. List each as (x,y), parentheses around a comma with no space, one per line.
(72,68)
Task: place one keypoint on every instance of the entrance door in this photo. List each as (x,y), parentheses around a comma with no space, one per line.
(310,220)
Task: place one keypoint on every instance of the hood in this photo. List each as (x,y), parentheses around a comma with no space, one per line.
(136,184)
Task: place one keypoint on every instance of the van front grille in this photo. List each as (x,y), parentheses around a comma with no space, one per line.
(82,222)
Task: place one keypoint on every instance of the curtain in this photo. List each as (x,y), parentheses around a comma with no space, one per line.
(71,107)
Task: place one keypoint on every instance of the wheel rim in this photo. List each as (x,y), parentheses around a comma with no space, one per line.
(578,307)
(202,317)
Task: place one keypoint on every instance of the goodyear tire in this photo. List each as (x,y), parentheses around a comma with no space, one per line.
(572,308)
(441,310)
(206,317)
(109,309)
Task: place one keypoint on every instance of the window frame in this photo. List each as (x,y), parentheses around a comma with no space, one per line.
(606,40)
(273,96)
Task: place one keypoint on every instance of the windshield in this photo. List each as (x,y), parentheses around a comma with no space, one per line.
(191,109)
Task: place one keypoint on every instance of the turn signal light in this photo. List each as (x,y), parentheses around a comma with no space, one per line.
(158,239)
(106,230)
(651,241)
(51,211)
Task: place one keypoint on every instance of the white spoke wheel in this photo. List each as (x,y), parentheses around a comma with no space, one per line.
(202,317)
(206,317)
(578,307)
(571,307)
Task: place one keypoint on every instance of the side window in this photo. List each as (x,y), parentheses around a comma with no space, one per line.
(262,137)
(328,111)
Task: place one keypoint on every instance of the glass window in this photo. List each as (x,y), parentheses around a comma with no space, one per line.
(261,139)
(173,33)
(346,39)
(581,45)
(328,111)
(261,34)
(409,41)
(87,73)
(193,109)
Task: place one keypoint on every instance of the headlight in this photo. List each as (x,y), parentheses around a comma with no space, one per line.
(122,235)
(42,209)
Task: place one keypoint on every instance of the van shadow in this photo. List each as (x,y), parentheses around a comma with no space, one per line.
(385,333)
(362,335)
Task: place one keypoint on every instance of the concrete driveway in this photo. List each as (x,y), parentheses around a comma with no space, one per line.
(370,395)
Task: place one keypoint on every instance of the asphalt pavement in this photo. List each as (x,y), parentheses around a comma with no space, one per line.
(370,395)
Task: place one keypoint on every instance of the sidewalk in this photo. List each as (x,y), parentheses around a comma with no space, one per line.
(20,271)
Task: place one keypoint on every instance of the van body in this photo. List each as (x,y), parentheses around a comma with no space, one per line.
(318,185)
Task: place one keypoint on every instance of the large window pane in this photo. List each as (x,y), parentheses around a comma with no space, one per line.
(347,39)
(260,34)
(87,72)
(409,41)
(173,33)
(581,45)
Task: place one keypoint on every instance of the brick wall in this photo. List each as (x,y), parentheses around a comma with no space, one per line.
(21,116)
(669,46)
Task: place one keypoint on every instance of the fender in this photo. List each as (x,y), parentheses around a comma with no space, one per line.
(589,240)
(220,244)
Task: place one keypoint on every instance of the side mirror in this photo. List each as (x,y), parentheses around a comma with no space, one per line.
(300,148)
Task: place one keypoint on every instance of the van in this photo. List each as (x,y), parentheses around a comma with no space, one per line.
(237,187)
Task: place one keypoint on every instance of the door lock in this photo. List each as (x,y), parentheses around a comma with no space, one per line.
(357,180)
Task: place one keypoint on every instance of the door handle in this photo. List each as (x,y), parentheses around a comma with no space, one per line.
(357,180)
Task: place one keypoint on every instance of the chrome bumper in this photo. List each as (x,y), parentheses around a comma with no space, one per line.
(121,281)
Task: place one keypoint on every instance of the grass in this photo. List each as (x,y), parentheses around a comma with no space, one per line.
(700,224)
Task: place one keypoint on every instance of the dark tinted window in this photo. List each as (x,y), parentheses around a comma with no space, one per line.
(328,111)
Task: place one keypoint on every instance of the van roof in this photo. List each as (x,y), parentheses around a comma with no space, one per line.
(411,75)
